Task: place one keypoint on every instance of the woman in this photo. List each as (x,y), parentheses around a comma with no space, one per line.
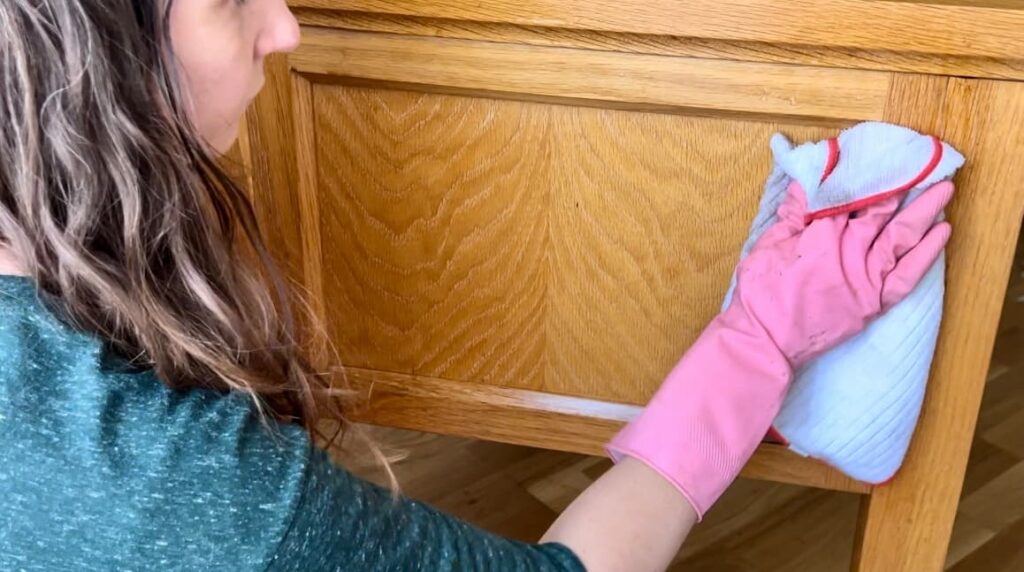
(154,409)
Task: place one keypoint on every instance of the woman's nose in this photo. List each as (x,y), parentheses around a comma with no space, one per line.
(280,30)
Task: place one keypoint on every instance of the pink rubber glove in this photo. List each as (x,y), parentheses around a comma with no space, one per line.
(804,288)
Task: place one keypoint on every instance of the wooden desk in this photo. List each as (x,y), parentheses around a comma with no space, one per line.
(516,216)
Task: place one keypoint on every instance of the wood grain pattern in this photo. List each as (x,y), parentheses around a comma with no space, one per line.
(977,28)
(908,522)
(572,250)
(643,240)
(801,54)
(538,419)
(435,209)
(307,193)
(270,139)
(634,79)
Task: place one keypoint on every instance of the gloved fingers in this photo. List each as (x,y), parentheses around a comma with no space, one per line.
(909,225)
(913,265)
(857,229)
(869,222)
(907,228)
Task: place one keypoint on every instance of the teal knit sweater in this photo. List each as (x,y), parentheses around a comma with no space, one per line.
(103,469)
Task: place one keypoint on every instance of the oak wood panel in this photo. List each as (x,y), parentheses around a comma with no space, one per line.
(647,214)
(270,140)
(306,191)
(633,79)
(973,28)
(434,208)
(842,57)
(539,419)
(571,250)
(906,524)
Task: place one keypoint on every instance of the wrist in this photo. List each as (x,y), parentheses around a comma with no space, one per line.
(712,410)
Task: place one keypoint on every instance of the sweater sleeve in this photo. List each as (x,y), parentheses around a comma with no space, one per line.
(344,523)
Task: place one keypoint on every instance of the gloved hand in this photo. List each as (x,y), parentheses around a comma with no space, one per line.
(805,287)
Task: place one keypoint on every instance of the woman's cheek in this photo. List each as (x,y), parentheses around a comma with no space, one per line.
(218,99)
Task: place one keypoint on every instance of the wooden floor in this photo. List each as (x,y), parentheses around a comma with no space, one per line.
(757,526)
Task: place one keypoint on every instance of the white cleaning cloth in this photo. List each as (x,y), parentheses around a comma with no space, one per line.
(856,406)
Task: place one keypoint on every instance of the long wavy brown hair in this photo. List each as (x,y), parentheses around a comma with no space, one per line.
(126,220)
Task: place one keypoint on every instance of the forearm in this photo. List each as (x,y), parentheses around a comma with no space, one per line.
(680,454)
(631,518)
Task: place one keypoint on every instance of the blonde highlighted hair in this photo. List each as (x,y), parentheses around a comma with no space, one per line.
(126,221)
